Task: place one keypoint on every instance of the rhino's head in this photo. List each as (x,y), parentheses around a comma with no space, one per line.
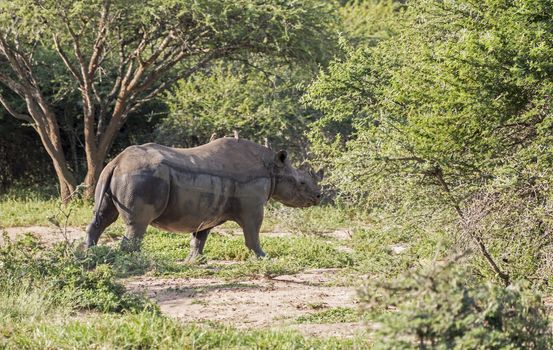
(295,187)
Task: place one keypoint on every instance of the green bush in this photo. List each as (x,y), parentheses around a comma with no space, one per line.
(453,108)
(68,275)
(441,307)
(261,102)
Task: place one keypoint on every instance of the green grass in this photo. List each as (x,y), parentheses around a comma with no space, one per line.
(28,211)
(34,319)
(374,255)
(332,315)
(23,207)
(163,253)
(150,331)
(312,220)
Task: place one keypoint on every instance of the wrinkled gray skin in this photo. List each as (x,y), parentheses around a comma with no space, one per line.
(196,189)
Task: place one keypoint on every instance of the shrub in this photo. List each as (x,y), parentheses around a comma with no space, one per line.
(445,112)
(440,307)
(64,273)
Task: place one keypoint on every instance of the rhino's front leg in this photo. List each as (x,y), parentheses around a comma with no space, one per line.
(250,221)
(197,244)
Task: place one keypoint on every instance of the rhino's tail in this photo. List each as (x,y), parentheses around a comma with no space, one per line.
(103,186)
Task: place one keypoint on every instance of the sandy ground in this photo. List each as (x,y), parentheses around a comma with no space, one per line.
(253,303)
(257,302)
(48,235)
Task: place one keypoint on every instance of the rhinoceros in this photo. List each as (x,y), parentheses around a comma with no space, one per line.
(196,189)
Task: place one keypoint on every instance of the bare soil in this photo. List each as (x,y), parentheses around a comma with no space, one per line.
(47,234)
(253,303)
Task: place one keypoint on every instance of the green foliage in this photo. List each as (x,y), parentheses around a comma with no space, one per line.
(437,96)
(63,274)
(440,308)
(453,108)
(290,30)
(369,21)
(259,102)
(97,63)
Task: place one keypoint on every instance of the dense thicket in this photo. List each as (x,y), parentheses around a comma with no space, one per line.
(451,117)
(262,103)
(22,158)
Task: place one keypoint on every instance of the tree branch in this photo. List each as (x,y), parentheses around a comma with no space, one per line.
(12,84)
(65,60)
(77,49)
(477,239)
(22,116)
(100,39)
(169,82)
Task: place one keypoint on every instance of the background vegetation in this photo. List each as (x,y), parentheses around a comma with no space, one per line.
(432,120)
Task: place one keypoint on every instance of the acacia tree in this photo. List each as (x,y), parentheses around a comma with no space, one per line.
(120,55)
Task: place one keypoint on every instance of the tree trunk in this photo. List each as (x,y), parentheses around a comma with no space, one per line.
(94,168)
(66,188)
(66,179)
(48,131)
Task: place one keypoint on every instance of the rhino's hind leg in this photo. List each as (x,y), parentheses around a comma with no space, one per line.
(133,238)
(104,217)
(197,244)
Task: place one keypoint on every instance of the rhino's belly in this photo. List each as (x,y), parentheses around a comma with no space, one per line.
(196,202)
(200,201)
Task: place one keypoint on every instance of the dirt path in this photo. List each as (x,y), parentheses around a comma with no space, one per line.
(47,234)
(253,303)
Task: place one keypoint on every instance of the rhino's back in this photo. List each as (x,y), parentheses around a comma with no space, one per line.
(236,159)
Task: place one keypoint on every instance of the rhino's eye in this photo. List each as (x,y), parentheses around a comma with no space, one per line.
(302,183)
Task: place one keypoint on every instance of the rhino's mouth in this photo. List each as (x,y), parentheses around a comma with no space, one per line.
(308,202)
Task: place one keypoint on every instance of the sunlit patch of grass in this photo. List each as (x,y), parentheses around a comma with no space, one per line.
(145,330)
(388,251)
(164,253)
(332,315)
(34,211)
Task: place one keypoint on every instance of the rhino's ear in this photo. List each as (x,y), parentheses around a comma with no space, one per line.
(280,158)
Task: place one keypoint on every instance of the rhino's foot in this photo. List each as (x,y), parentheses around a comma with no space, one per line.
(196,259)
(260,254)
(130,245)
